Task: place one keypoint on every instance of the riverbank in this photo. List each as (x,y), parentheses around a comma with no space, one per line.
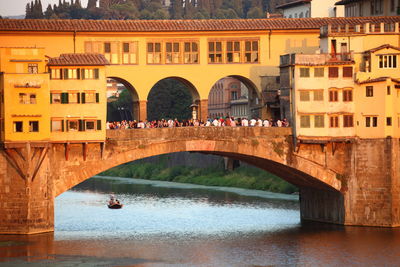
(247,177)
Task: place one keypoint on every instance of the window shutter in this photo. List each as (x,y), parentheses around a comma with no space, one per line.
(81,125)
(79,97)
(63,101)
(51,98)
(83,95)
(333,72)
(78,74)
(96,74)
(61,74)
(62,125)
(51,125)
(65,74)
(99,125)
(67,124)
(97,98)
(83,74)
(348,72)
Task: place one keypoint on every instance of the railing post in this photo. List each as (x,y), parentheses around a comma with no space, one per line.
(142,110)
(366,27)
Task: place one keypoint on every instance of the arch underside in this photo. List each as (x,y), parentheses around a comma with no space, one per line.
(116,155)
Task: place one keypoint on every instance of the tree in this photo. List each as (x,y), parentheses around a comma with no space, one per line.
(28,11)
(255,13)
(189,9)
(92,4)
(49,12)
(176,9)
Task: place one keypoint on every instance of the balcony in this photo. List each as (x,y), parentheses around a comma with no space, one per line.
(367,28)
(316,59)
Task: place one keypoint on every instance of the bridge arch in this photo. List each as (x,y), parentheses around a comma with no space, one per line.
(130,107)
(178,91)
(254,146)
(235,95)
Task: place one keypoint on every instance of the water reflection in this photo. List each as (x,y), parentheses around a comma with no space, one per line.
(192,227)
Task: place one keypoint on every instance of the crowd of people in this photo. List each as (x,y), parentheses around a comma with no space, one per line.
(217,122)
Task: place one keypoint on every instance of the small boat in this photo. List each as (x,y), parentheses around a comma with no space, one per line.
(115,206)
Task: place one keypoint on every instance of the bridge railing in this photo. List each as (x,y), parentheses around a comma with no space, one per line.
(188,133)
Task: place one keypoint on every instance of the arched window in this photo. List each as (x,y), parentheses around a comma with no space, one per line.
(301,15)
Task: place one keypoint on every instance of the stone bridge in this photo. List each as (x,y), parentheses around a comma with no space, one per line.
(353,183)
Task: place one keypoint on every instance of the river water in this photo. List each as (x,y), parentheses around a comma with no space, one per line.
(169,224)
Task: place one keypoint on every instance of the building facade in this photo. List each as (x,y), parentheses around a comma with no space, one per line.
(367,8)
(311,9)
(349,88)
(55,99)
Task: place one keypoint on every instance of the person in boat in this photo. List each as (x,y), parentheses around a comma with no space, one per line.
(112,200)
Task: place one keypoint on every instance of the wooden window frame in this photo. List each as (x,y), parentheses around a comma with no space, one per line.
(172,54)
(215,53)
(333,72)
(153,53)
(191,54)
(319,76)
(233,51)
(318,91)
(302,74)
(348,120)
(15,126)
(308,124)
(333,121)
(369,91)
(61,124)
(333,95)
(305,96)
(347,72)
(319,125)
(251,51)
(131,55)
(32,127)
(388,61)
(347,95)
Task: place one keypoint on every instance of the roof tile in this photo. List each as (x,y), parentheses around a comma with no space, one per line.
(182,25)
(87,59)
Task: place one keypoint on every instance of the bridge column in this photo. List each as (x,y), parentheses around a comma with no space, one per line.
(26,191)
(203,109)
(143,110)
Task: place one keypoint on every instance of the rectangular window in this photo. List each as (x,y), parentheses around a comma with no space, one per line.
(388,61)
(154,53)
(388,90)
(17,126)
(305,121)
(25,98)
(129,53)
(73,98)
(32,98)
(96,74)
(333,95)
(55,98)
(371,121)
(334,121)
(215,52)
(318,72)
(57,126)
(348,121)
(107,48)
(319,95)
(233,51)
(90,125)
(55,74)
(304,72)
(90,97)
(369,91)
(304,95)
(33,126)
(388,121)
(73,125)
(347,72)
(347,95)
(234,95)
(191,53)
(333,72)
(319,121)
(33,68)
(251,51)
(172,55)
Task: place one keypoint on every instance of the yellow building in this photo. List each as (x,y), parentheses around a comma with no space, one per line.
(24,88)
(78,97)
(348,88)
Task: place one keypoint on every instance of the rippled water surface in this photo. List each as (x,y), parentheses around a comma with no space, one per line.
(167,224)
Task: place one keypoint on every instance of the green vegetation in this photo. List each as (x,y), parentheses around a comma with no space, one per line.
(243,177)
(152,9)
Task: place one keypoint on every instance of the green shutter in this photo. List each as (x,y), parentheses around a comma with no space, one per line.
(51,98)
(81,125)
(79,98)
(51,125)
(97,98)
(66,74)
(61,74)
(78,74)
(83,95)
(99,125)
(62,125)
(64,98)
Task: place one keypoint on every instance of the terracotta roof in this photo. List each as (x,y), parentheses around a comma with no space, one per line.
(182,25)
(345,2)
(387,46)
(78,60)
(293,3)
(380,79)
